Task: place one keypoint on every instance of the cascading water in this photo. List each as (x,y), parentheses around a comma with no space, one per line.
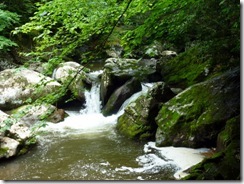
(90,119)
(85,146)
(93,104)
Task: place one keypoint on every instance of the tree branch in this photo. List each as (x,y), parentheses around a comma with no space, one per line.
(111,31)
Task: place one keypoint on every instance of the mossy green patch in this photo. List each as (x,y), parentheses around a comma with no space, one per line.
(223,165)
(3,151)
(138,121)
(187,68)
(196,116)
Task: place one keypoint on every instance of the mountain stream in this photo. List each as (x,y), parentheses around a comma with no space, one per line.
(86,146)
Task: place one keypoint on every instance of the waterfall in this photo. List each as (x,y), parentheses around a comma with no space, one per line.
(93,103)
(90,118)
(97,150)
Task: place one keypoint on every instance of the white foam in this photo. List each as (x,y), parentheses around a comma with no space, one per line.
(92,121)
(90,118)
(157,158)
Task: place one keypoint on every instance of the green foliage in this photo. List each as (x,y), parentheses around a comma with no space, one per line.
(213,23)
(77,29)
(63,28)
(24,8)
(7,20)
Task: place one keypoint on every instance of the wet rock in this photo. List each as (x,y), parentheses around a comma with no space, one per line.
(118,71)
(195,116)
(120,95)
(19,86)
(138,121)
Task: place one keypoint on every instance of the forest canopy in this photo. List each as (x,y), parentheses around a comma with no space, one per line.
(81,29)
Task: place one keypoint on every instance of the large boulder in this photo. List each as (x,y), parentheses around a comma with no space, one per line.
(117,71)
(20,86)
(188,68)
(195,116)
(138,120)
(226,163)
(72,74)
(120,95)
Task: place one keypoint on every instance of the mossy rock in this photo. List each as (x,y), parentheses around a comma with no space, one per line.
(230,133)
(195,117)
(30,114)
(186,69)
(73,74)
(224,165)
(138,120)
(3,152)
(27,145)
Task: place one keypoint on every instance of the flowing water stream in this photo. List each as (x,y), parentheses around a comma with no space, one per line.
(86,146)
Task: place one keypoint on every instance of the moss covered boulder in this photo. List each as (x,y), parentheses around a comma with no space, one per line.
(138,120)
(225,164)
(186,69)
(120,96)
(195,116)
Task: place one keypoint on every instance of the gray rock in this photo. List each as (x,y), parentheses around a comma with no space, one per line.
(15,137)
(72,74)
(120,95)
(9,147)
(19,85)
(117,71)
(20,132)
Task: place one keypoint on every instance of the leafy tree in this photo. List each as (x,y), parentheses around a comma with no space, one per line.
(213,24)
(7,20)
(24,8)
(14,13)
(63,28)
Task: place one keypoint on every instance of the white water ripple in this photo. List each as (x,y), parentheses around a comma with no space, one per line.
(156,159)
